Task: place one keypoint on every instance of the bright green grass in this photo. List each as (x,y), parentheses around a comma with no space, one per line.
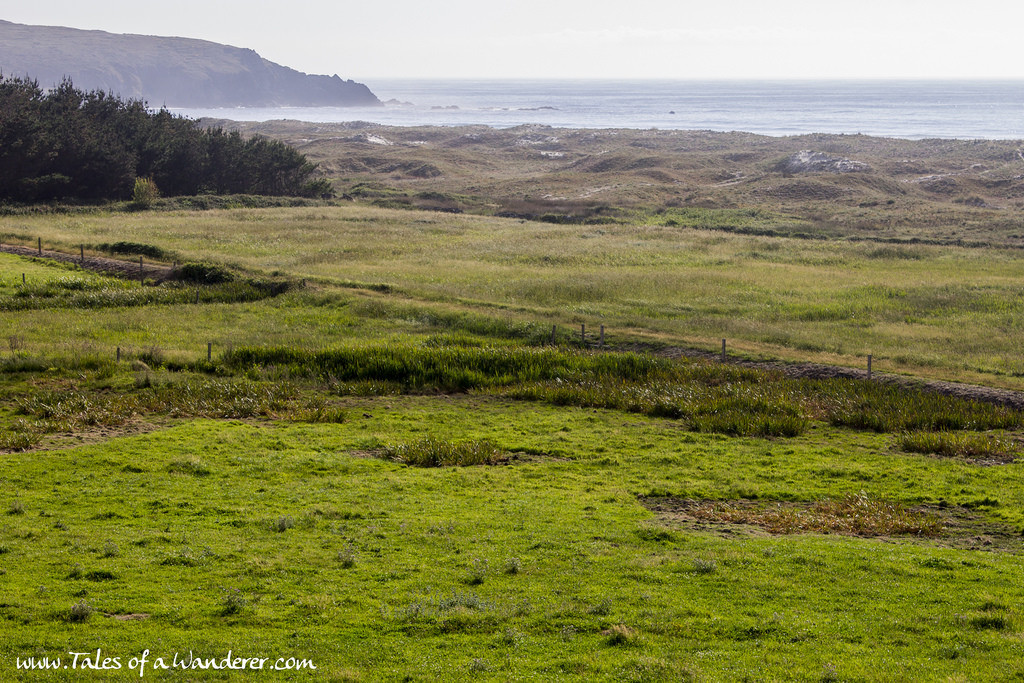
(293,539)
(286,540)
(944,311)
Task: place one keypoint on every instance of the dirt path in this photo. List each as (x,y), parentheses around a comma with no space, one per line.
(125,269)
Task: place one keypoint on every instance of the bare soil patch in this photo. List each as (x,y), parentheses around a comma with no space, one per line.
(948,526)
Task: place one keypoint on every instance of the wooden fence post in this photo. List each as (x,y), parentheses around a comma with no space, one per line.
(723,350)
(869,366)
(209,351)
(40,246)
(82,247)
(553,328)
(118,354)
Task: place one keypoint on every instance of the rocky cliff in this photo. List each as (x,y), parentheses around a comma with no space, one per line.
(173,72)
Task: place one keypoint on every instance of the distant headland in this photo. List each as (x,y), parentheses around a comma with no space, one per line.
(173,72)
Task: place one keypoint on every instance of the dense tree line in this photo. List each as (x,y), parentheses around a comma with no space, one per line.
(68,144)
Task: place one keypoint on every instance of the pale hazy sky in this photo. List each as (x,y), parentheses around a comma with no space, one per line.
(582,38)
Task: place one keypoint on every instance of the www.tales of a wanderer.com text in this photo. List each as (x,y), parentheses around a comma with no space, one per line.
(146,661)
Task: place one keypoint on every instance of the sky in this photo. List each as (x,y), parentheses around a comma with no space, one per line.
(677,39)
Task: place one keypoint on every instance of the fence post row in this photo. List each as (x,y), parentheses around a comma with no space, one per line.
(554,332)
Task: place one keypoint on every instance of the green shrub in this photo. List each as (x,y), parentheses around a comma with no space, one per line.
(203,273)
(144,193)
(134,248)
(80,611)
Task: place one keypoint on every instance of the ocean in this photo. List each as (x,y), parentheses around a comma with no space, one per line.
(901,109)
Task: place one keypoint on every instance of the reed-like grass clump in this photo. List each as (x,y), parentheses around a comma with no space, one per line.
(888,408)
(752,404)
(708,397)
(962,445)
(446,368)
(432,452)
(65,411)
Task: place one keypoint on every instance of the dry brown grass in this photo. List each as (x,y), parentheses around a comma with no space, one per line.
(855,514)
(946,190)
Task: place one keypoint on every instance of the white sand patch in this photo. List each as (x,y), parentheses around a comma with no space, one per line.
(376,139)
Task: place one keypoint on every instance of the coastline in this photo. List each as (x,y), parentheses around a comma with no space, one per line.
(912,110)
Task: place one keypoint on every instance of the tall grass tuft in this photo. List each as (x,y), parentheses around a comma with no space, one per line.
(961,445)
(886,408)
(451,368)
(431,452)
(708,399)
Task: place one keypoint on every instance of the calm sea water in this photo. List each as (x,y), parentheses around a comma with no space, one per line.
(904,109)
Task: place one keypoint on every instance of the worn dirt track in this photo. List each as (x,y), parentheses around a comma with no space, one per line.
(126,269)
(1006,397)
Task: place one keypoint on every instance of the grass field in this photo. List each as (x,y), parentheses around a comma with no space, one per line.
(948,312)
(385,468)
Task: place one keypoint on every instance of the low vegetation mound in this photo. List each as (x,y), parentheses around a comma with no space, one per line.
(134,248)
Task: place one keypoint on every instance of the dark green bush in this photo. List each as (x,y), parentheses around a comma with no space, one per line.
(203,273)
(135,248)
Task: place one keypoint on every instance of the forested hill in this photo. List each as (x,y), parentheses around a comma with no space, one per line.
(173,72)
